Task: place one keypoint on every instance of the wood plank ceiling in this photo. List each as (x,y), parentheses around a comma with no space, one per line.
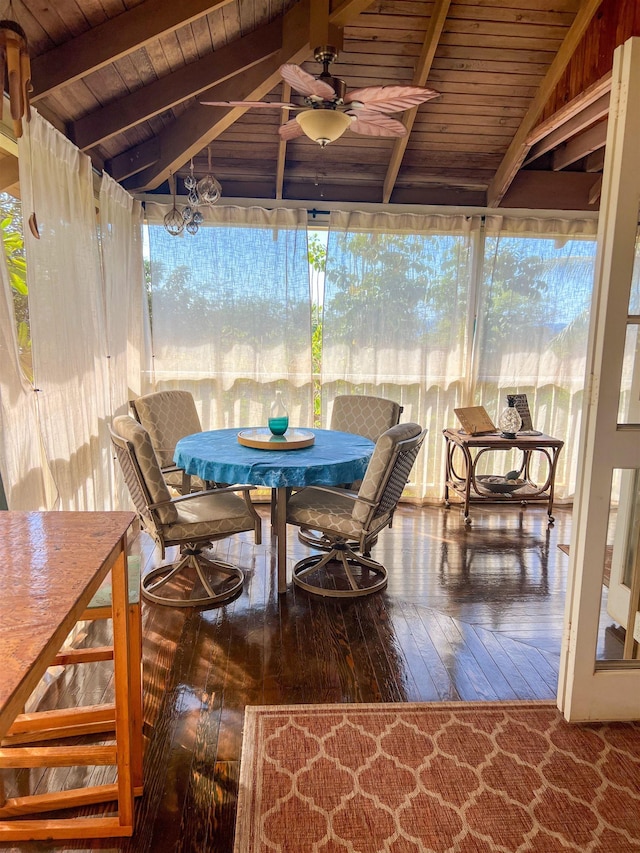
(520,119)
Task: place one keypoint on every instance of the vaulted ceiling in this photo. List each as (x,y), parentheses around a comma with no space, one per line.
(520,120)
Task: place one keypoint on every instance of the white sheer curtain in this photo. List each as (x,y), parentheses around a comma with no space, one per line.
(24,472)
(437,311)
(398,319)
(126,310)
(231,313)
(533,320)
(67,316)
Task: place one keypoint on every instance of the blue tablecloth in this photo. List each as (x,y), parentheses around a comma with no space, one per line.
(334,458)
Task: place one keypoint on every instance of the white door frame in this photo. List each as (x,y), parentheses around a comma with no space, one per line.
(584,692)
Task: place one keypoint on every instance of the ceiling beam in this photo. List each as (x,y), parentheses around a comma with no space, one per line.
(596,191)
(319,23)
(566,112)
(423,68)
(282,145)
(517,151)
(345,12)
(199,125)
(595,161)
(194,130)
(581,121)
(580,146)
(134,160)
(113,39)
(186,82)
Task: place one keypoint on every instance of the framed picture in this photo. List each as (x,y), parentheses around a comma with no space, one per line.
(519,401)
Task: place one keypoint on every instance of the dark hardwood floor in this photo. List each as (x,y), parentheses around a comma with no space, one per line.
(470,613)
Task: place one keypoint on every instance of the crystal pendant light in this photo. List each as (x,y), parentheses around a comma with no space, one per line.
(509,421)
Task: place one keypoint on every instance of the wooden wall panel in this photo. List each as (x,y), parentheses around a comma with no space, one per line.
(612,25)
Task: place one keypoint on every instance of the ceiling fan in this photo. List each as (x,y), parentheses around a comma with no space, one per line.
(329,109)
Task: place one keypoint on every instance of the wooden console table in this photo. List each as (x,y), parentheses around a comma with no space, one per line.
(52,564)
(464,481)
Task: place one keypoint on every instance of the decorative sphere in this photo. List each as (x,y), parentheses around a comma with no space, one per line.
(209,190)
(173,222)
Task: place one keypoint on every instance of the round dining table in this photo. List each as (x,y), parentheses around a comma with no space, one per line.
(333,458)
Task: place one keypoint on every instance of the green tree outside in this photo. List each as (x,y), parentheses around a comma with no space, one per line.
(13,242)
(317,254)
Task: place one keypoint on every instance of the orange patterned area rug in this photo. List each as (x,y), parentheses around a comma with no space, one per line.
(460,777)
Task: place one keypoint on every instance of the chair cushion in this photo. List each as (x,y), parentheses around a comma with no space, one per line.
(210,515)
(133,432)
(315,508)
(167,416)
(364,415)
(378,464)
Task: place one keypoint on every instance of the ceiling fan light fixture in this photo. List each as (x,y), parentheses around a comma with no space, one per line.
(323,126)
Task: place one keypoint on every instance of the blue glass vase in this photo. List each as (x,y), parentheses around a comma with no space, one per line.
(278,416)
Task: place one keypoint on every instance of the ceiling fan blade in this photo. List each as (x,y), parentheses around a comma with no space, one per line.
(290,130)
(249,104)
(390,99)
(305,83)
(376,124)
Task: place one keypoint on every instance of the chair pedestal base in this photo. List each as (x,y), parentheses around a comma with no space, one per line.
(357,575)
(316,539)
(218,581)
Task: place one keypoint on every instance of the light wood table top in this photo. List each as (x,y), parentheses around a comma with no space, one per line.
(52,564)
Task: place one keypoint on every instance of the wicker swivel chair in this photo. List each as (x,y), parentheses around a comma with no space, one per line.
(191,521)
(362,415)
(168,416)
(343,515)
